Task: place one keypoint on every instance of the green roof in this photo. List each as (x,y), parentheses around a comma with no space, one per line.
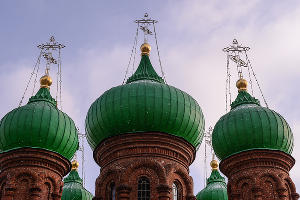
(215,189)
(145,71)
(73,188)
(144,104)
(250,126)
(39,124)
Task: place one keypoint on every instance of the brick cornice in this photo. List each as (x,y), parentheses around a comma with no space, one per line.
(145,144)
(257,158)
(29,157)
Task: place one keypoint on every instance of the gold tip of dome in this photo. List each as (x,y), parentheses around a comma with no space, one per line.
(45,81)
(214,164)
(242,84)
(145,49)
(75,165)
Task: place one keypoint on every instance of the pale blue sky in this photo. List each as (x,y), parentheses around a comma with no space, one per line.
(99,37)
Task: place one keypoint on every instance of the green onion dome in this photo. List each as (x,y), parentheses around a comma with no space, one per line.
(250,126)
(39,124)
(73,188)
(216,187)
(144,104)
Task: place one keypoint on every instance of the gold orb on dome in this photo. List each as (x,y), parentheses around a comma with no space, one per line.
(145,49)
(45,81)
(242,84)
(214,164)
(75,165)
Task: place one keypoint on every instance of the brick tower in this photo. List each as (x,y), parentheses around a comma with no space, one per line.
(144,134)
(36,142)
(254,144)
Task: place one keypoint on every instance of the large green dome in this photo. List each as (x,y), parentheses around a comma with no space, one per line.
(39,124)
(250,126)
(144,104)
(215,189)
(73,188)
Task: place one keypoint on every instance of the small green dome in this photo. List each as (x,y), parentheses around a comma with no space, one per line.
(215,189)
(73,188)
(39,124)
(250,126)
(144,104)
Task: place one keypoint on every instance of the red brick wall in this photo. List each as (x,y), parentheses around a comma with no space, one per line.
(32,174)
(160,157)
(259,174)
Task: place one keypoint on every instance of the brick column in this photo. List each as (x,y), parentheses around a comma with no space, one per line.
(164,192)
(123,192)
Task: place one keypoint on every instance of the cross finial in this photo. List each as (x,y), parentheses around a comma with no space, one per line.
(144,24)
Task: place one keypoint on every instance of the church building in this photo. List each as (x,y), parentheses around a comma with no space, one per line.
(144,135)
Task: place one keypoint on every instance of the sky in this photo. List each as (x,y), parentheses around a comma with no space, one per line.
(191,34)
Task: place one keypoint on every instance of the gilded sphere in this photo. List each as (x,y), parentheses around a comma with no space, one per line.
(45,81)
(75,165)
(145,49)
(242,84)
(214,164)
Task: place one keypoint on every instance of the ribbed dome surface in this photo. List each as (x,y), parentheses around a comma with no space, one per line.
(250,126)
(215,189)
(39,124)
(144,104)
(73,188)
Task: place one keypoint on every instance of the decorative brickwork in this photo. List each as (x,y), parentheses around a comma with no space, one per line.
(32,174)
(161,158)
(260,175)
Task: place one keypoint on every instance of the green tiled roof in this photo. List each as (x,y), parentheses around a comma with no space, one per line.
(39,124)
(144,104)
(250,126)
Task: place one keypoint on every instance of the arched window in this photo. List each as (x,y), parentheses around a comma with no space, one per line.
(144,189)
(175,191)
(112,191)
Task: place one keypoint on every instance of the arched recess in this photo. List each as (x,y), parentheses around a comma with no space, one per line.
(290,186)
(244,185)
(111,193)
(103,182)
(26,186)
(144,166)
(184,179)
(51,186)
(3,182)
(177,190)
(269,184)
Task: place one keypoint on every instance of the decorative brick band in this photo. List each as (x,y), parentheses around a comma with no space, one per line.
(145,144)
(29,173)
(162,158)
